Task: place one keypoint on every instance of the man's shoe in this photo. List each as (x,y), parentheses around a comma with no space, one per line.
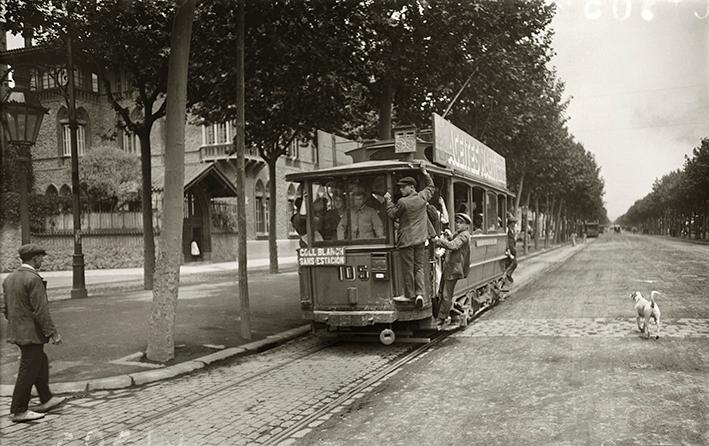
(402,300)
(25,416)
(419,301)
(53,402)
(448,326)
(510,279)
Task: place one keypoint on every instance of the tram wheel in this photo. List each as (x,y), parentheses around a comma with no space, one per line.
(387,336)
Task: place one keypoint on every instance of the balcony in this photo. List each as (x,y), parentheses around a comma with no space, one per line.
(215,152)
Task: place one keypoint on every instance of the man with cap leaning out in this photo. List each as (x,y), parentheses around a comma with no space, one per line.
(30,326)
(411,212)
(455,267)
(511,252)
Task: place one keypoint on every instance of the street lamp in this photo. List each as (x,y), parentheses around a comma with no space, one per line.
(21,115)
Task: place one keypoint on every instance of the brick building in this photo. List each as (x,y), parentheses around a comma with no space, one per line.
(210,186)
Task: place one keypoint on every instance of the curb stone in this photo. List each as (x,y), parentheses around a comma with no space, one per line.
(150,376)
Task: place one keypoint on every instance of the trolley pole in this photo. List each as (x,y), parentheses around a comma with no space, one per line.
(239,140)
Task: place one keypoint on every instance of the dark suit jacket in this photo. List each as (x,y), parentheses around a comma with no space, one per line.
(26,308)
(412,215)
(457,262)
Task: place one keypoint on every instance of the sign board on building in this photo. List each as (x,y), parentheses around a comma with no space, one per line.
(405,139)
(321,256)
(454,148)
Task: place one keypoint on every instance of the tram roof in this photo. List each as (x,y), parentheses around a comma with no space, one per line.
(385,166)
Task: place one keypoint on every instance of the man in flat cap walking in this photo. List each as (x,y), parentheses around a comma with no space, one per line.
(30,326)
(410,210)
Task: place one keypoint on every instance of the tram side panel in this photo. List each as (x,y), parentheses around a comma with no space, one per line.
(487,261)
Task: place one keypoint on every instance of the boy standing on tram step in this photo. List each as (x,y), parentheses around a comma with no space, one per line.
(456,266)
(411,212)
(30,326)
(511,252)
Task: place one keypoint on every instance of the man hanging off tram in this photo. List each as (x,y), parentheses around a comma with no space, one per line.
(410,211)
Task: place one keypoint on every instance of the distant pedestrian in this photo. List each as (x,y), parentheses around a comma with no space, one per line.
(411,211)
(30,326)
(511,251)
(455,267)
(194,249)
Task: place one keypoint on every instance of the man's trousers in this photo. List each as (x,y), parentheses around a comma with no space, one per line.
(34,371)
(413,259)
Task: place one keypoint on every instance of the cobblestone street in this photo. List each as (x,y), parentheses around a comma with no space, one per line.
(580,375)
(252,400)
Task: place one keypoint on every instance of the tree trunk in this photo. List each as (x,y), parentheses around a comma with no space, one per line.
(386,103)
(525,220)
(520,188)
(272,233)
(547,220)
(161,338)
(557,223)
(536,222)
(240,145)
(147,195)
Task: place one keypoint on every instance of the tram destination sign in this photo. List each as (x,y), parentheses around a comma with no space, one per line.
(321,256)
(455,149)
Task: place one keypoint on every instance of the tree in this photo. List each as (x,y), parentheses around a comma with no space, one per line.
(126,43)
(161,340)
(292,89)
(110,176)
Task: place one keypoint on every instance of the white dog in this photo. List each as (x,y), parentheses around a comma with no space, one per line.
(647,309)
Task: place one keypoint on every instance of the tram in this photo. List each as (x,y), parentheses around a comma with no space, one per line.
(349,267)
(592,229)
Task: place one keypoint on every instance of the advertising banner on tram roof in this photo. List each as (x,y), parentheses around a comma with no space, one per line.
(454,148)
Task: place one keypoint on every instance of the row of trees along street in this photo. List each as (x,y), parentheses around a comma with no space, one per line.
(678,204)
(348,67)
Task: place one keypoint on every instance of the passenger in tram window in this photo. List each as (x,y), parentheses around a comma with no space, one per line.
(334,216)
(455,267)
(364,223)
(410,211)
(511,250)
(477,223)
(299,223)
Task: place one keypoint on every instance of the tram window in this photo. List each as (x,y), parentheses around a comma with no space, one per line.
(491,212)
(501,209)
(346,209)
(461,198)
(478,208)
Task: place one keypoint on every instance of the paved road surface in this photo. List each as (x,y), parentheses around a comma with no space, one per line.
(560,362)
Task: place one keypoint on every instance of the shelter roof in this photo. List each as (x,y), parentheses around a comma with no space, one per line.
(210,175)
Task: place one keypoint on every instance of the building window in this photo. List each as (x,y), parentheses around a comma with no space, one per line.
(47,81)
(261,201)
(221,133)
(131,142)
(80,140)
(94,82)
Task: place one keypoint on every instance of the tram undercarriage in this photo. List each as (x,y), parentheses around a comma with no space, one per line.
(419,326)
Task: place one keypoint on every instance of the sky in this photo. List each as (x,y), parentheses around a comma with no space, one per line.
(637,76)
(638,84)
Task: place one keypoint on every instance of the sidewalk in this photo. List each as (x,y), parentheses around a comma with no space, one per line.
(104,337)
(102,281)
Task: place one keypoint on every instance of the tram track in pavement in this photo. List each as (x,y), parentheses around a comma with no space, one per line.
(300,427)
(190,401)
(349,397)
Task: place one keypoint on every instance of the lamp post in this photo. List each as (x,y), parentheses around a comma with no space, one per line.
(21,118)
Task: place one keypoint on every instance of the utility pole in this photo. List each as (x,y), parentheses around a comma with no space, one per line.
(241,176)
(78,287)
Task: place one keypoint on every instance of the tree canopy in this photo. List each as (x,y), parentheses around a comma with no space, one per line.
(678,204)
